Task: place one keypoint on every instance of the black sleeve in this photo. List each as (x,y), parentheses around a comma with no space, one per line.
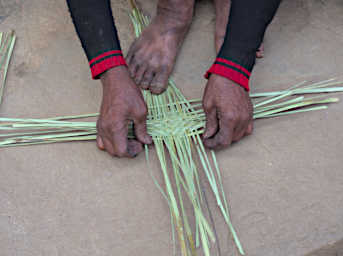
(247,24)
(95,27)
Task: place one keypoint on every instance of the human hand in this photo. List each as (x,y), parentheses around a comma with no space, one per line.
(229,112)
(122,102)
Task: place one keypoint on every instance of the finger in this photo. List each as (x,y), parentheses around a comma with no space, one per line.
(211,123)
(119,139)
(130,54)
(160,82)
(108,147)
(250,128)
(148,77)
(224,136)
(239,131)
(129,58)
(141,131)
(100,143)
(134,147)
(259,54)
(140,73)
(260,51)
(133,67)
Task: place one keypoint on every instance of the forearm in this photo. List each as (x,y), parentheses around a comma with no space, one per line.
(95,27)
(247,24)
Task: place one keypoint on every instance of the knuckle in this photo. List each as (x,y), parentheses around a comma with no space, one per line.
(147,79)
(138,80)
(157,89)
(138,59)
(144,85)
(165,66)
(154,65)
(165,71)
(159,83)
(230,116)
(107,128)
(207,104)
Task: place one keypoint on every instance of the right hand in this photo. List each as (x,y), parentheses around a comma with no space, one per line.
(122,102)
(229,112)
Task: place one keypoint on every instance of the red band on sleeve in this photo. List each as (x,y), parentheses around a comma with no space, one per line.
(103,55)
(232,72)
(228,62)
(105,62)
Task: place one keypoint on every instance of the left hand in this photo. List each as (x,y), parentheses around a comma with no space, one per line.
(229,112)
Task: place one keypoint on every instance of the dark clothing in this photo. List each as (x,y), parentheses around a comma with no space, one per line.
(248,21)
(95,27)
(247,24)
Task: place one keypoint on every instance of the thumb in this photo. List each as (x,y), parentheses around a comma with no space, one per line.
(100,143)
(134,148)
(211,124)
(141,131)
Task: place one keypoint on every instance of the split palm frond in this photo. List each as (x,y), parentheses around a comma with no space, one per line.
(7,41)
(176,125)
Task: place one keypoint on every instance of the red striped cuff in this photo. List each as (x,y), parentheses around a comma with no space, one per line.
(106,61)
(230,70)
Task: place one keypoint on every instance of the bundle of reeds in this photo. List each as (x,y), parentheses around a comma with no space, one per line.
(7,41)
(22,131)
(176,125)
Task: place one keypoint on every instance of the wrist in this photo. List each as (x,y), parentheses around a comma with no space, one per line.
(114,76)
(224,83)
